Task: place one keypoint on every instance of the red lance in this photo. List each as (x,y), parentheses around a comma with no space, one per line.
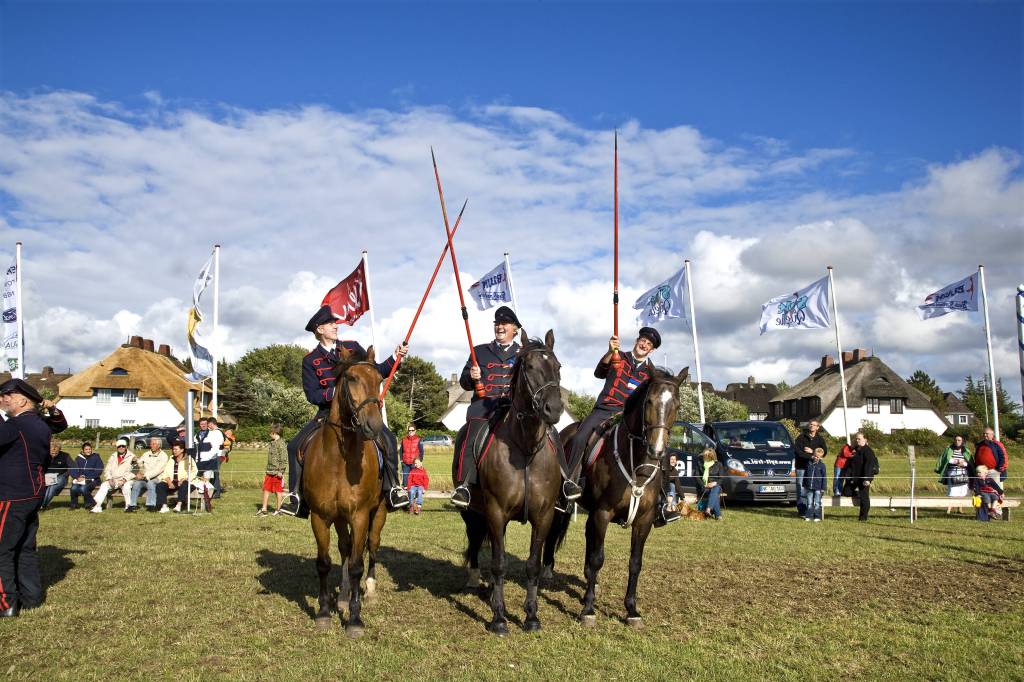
(616,358)
(416,317)
(478,387)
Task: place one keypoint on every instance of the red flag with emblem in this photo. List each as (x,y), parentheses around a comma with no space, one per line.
(350,298)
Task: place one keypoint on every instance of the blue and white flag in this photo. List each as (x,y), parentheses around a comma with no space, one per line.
(665,301)
(962,295)
(804,309)
(198,351)
(12,345)
(493,289)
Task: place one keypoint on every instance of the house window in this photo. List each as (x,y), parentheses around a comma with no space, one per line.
(103,396)
(131,395)
(873,406)
(127,422)
(119,372)
(92,423)
(962,418)
(896,406)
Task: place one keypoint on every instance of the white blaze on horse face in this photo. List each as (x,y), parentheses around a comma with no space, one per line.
(663,401)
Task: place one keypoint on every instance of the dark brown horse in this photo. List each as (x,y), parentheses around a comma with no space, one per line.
(340,483)
(520,478)
(622,484)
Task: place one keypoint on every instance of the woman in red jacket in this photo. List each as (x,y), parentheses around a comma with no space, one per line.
(419,481)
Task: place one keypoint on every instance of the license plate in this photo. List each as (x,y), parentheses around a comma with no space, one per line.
(771,489)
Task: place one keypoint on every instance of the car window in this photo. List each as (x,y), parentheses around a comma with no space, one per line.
(753,436)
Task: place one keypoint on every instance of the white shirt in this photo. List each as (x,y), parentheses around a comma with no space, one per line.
(215,437)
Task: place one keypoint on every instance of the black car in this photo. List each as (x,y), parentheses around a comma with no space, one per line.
(759,458)
(167,435)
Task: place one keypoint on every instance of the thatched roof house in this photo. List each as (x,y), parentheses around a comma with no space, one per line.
(956,412)
(752,395)
(874,393)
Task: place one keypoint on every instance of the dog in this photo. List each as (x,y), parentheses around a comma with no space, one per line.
(692,513)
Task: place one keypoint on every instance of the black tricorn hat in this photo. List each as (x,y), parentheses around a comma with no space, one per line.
(505,314)
(651,334)
(320,317)
(22,387)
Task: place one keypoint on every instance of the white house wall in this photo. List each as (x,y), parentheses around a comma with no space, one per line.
(116,412)
(884,421)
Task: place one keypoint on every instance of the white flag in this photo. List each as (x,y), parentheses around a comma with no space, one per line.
(804,309)
(962,295)
(12,349)
(667,300)
(492,289)
(201,357)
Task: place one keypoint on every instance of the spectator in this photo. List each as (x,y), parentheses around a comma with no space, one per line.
(986,486)
(953,466)
(860,470)
(117,475)
(419,481)
(150,468)
(845,453)
(709,486)
(209,442)
(58,467)
(805,445)
(991,453)
(412,449)
(180,437)
(672,477)
(277,466)
(814,481)
(85,476)
(178,476)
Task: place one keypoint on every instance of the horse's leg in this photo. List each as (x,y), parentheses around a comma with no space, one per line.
(344,545)
(360,524)
(373,544)
(538,534)
(597,526)
(641,529)
(476,531)
(322,533)
(496,523)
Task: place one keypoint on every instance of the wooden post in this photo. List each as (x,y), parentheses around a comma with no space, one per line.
(912,457)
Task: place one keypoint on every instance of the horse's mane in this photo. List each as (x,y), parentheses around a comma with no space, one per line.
(355,357)
(637,397)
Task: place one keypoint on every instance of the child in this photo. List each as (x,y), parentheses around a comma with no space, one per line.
(419,481)
(814,485)
(277,460)
(986,486)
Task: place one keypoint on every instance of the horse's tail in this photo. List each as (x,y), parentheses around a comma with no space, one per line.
(556,536)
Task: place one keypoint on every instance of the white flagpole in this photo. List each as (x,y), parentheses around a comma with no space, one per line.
(20,374)
(511,287)
(373,322)
(1020,336)
(696,344)
(839,353)
(993,382)
(214,351)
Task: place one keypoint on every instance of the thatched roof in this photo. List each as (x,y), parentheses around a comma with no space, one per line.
(155,375)
(955,406)
(755,397)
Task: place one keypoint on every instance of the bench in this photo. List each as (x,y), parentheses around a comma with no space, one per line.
(904,502)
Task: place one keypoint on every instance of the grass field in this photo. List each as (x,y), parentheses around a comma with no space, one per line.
(758,595)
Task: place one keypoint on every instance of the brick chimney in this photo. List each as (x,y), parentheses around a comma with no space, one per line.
(847,357)
(750,381)
(135,342)
(147,344)
(165,350)
(860,354)
(827,361)
(47,372)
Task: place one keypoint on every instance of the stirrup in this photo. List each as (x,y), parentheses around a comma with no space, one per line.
(571,490)
(398,498)
(461,497)
(665,516)
(564,506)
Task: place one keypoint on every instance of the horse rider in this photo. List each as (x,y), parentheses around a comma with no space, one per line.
(495,372)
(618,386)
(318,383)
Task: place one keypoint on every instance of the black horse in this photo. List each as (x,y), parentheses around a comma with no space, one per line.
(622,484)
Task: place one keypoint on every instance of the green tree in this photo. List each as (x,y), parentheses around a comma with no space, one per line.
(977,396)
(272,401)
(924,383)
(580,405)
(282,362)
(418,384)
(399,414)
(716,408)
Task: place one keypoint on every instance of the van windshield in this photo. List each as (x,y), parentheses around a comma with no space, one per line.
(762,436)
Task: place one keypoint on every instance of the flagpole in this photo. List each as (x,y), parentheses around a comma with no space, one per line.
(839,353)
(1020,336)
(20,312)
(373,321)
(696,345)
(216,317)
(993,382)
(511,287)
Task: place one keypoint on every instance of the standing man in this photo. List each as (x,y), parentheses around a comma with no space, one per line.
(860,471)
(151,468)
(215,439)
(318,383)
(991,453)
(495,372)
(24,449)
(412,450)
(805,445)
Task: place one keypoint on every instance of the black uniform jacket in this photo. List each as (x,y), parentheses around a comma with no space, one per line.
(318,372)
(618,385)
(495,374)
(24,451)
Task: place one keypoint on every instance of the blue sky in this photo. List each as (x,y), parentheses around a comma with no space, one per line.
(760,140)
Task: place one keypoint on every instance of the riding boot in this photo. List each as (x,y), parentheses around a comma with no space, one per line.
(394,493)
(665,515)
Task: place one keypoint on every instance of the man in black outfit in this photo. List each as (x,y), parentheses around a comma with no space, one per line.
(860,470)
(804,445)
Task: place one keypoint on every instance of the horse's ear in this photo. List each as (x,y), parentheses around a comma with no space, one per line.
(683,375)
(523,338)
(549,339)
(345,354)
(370,355)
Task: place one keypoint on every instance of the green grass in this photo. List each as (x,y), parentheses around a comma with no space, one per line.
(759,595)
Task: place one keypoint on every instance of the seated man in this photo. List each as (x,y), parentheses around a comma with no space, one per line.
(179,472)
(85,474)
(116,475)
(59,465)
(151,467)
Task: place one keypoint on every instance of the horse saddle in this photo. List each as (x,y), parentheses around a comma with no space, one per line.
(596,440)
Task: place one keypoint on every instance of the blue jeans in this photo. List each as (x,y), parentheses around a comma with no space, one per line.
(85,490)
(812,501)
(837,481)
(53,490)
(801,506)
(714,505)
(150,487)
(672,492)
(406,468)
(416,495)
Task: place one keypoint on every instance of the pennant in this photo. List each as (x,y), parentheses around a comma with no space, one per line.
(492,289)
(958,296)
(199,353)
(804,309)
(12,350)
(350,298)
(665,301)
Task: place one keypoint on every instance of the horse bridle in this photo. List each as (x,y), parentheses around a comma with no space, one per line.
(647,428)
(347,395)
(534,394)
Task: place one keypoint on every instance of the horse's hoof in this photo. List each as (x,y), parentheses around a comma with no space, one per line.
(589,620)
(371,588)
(532,625)
(500,628)
(635,622)
(354,631)
(323,622)
(546,573)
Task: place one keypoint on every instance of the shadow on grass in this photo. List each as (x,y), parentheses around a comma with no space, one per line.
(290,576)
(954,548)
(54,564)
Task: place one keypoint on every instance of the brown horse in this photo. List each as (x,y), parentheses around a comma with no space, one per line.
(622,484)
(520,477)
(340,483)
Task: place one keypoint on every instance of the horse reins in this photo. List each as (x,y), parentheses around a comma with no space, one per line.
(354,409)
